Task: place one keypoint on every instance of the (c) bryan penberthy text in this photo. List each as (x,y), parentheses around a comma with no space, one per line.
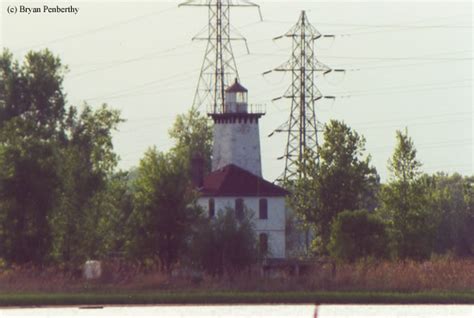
(48,9)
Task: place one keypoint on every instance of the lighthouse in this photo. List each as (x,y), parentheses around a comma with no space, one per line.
(236,138)
(236,180)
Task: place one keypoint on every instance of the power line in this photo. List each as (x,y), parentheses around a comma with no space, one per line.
(419,56)
(176,77)
(401,58)
(160,91)
(347,95)
(412,23)
(364,68)
(144,57)
(435,84)
(439,144)
(409,28)
(416,124)
(368,124)
(377,26)
(144,85)
(411,118)
(404,91)
(99,29)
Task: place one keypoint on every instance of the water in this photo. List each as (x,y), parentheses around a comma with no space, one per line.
(250,311)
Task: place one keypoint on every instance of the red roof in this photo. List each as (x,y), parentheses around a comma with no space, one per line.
(236,88)
(232,180)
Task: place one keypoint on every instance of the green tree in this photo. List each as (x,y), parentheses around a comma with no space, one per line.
(32,93)
(28,183)
(192,133)
(164,208)
(31,113)
(225,244)
(342,179)
(55,163)
(406,202)
(452,196)
(358,234)
(88,161)
(111,210)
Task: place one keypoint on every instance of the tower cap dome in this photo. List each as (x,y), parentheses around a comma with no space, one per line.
(236,88)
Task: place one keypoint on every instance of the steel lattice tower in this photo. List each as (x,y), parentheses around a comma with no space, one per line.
(302,126)
(218,69)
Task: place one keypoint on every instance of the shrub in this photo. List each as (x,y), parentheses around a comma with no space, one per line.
(358,234)
(225,244)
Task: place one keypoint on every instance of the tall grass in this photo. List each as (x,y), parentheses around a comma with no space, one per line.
(439,274)
(405,276)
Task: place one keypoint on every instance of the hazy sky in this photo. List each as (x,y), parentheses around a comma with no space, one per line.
(409,65)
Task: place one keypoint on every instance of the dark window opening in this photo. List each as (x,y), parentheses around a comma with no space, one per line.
(239,209)
(263,242)
(263,209)
(212,208)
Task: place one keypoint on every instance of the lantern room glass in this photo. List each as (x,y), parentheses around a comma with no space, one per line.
(241,97)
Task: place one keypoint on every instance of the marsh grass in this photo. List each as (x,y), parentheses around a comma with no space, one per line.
(438,274)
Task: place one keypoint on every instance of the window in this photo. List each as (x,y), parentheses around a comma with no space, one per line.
(263,242)
(263,209)
(239,209)
(241,97)
(212,208)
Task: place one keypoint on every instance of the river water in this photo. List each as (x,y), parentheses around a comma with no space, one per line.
(249,311)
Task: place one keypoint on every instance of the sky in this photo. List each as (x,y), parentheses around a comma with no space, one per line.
(408,65)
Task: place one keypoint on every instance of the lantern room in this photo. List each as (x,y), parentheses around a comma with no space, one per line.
(236,98)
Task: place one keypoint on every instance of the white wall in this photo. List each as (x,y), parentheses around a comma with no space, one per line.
(273,226)
(237,143)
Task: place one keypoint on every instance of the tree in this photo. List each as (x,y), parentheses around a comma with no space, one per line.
(225,244)
(55,164)
(31,113)
(452,200)
(86,170)
(406,202)
(28,183)
(342,180)
(164,208)
(358,234)
(111,210)
(32,93)
(193,135)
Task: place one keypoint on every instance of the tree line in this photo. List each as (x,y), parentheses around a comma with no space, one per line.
(352,215)
(63,200)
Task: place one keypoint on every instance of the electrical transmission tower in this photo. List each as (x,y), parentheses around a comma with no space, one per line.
(302,126)
(218,68)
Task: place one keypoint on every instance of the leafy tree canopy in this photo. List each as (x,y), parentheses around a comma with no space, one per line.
(31,114)
(358,234)
(55,160)
(164,208)
(406,202)
(336,178)
(452,198)
(192,133)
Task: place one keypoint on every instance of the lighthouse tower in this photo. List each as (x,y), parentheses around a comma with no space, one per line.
(236,180)
(236,133)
